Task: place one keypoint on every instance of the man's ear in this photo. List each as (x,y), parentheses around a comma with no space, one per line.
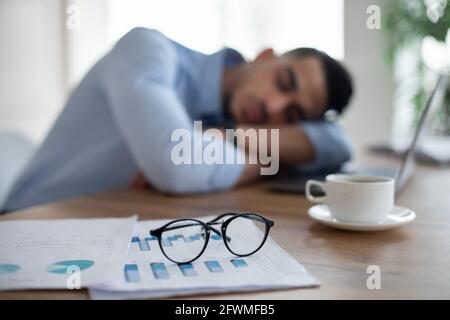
(266,54)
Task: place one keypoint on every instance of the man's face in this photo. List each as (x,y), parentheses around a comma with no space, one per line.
(279,90)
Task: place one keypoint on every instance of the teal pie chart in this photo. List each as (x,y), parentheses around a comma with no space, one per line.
(8,268)
(62,267)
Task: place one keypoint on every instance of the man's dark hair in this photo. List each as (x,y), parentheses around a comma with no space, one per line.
(338,79)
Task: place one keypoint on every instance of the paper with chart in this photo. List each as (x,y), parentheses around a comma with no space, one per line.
(45,253)
(148,273)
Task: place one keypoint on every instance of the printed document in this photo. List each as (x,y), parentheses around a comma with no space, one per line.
(148,273)
(62,254)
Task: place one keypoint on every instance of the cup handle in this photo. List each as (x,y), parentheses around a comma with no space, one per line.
(310,197)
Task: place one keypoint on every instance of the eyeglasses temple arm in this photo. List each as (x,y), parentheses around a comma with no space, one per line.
(154,232)
(261,219)
(221,216)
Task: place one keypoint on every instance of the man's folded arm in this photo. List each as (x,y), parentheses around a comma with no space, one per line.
(331,145)
(138,81)
(311,146)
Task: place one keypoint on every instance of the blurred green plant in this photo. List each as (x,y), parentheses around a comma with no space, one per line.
(406,23)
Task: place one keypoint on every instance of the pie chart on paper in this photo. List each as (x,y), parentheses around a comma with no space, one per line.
(62,267)
(8,268)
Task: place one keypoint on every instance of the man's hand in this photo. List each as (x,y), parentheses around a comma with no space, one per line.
(293,145)
(139,182)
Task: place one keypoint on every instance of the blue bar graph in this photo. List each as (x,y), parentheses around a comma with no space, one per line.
(213,266)
(166,242)
(195,237)
(132,273)
(188,270)
(239,263)
(143,244)
(135,240)
(159,270)
(175,237)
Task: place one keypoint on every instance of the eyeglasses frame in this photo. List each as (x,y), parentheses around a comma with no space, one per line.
(208,228)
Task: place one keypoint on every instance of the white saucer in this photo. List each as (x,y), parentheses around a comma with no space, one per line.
(398,217)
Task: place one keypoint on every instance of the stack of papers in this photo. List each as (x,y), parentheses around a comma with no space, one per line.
(148,273)
(119,259)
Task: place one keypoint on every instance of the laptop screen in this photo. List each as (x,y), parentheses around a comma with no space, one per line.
(436,99)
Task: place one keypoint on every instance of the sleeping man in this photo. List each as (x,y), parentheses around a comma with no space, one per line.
(120,125)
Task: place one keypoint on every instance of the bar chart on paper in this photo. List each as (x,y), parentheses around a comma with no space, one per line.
(160,271)
(151,242)
(148,247)
(148,273)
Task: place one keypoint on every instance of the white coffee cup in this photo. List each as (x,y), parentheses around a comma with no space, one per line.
(354,198)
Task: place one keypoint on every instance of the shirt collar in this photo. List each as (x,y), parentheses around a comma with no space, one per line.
(211,101)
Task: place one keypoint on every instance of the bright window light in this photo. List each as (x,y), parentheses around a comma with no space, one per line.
(247,26)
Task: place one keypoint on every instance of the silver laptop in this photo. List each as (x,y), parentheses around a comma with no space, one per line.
(295,183)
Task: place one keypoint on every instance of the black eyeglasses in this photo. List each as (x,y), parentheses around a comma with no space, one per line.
(185,240)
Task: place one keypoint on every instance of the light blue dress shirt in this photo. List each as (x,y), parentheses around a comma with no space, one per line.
(120,118)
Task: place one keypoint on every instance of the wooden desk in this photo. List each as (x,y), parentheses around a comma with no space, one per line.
(414,260)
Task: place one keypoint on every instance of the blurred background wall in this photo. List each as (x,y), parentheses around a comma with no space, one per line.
(47,46)
(31,62)
(370,118)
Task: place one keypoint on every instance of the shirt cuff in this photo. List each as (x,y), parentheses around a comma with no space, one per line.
(226,175)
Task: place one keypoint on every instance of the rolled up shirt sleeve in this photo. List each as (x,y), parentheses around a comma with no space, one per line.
(332,146)
(139,82)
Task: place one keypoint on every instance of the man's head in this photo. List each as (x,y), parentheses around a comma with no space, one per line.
(301,84)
